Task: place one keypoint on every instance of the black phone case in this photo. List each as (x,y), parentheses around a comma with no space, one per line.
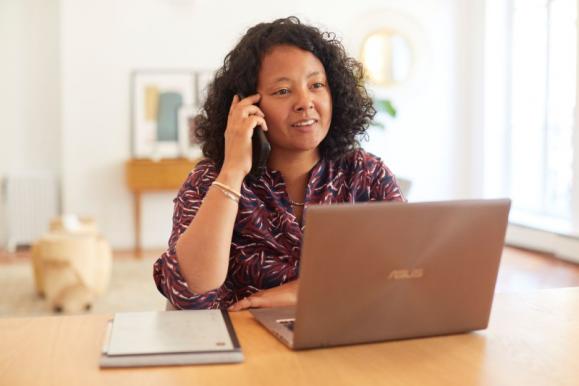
(260,152)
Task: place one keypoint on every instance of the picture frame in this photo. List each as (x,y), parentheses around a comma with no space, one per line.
(157,98)
(189,147)
(203,80)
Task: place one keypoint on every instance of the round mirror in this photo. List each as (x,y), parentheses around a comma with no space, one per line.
(387,57)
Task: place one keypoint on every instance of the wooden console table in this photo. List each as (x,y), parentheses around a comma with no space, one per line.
(145,175)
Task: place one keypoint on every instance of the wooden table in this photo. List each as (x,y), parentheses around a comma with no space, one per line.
(533,339)
(146,175)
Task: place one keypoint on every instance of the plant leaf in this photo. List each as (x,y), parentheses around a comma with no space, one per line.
(385,105)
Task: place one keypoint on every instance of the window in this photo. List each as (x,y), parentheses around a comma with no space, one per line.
(541,117)
(531,135)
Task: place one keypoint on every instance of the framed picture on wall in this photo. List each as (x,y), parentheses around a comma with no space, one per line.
(157,97)
(203,80)
(189,147)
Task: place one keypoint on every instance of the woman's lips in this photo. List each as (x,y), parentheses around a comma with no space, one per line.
(304,125)
(304,122)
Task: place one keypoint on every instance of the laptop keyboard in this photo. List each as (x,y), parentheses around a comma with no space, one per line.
(288,323)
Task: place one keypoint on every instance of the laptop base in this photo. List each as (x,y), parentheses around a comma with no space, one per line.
(272,319)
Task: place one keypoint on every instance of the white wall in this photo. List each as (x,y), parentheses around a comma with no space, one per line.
(102,42)
(436,138)
(29,88)
(424,141)
(468,107)
(30,79)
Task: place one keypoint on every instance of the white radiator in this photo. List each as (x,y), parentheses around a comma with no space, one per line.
(31,200)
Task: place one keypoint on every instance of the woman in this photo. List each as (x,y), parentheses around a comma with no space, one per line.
(236,238)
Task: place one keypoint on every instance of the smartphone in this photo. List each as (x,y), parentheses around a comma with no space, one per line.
(259,151)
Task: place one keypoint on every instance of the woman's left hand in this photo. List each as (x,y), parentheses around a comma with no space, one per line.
(284,295)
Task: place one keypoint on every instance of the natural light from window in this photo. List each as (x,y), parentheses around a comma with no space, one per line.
(543,96)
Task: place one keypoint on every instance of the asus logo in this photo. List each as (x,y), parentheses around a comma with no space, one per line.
(403,274)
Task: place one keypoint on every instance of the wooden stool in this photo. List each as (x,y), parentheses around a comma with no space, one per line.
(71,268)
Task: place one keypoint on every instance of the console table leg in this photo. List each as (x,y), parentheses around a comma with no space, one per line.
(138,250)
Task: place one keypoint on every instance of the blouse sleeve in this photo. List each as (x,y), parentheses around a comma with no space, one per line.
(166,270)
(384,186)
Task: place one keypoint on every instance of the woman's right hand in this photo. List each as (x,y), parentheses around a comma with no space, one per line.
(243,117)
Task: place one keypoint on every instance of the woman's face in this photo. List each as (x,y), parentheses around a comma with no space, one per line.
(295,98)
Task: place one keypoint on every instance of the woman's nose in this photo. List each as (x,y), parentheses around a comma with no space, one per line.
(304,100)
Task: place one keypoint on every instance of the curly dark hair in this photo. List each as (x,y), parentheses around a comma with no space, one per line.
(353,109)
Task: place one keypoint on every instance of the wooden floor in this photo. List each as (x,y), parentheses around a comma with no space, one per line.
(520,269)
(523,270)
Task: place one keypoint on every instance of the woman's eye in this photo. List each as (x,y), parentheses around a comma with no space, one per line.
(318,85)
(282,91)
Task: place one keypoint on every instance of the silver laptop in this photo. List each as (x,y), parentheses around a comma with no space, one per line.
(384,271)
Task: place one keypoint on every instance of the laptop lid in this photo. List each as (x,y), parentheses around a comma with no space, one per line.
(380,271)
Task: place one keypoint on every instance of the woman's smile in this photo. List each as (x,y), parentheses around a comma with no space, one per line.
(305,125)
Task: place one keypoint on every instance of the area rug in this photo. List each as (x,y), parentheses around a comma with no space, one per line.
(131,289)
